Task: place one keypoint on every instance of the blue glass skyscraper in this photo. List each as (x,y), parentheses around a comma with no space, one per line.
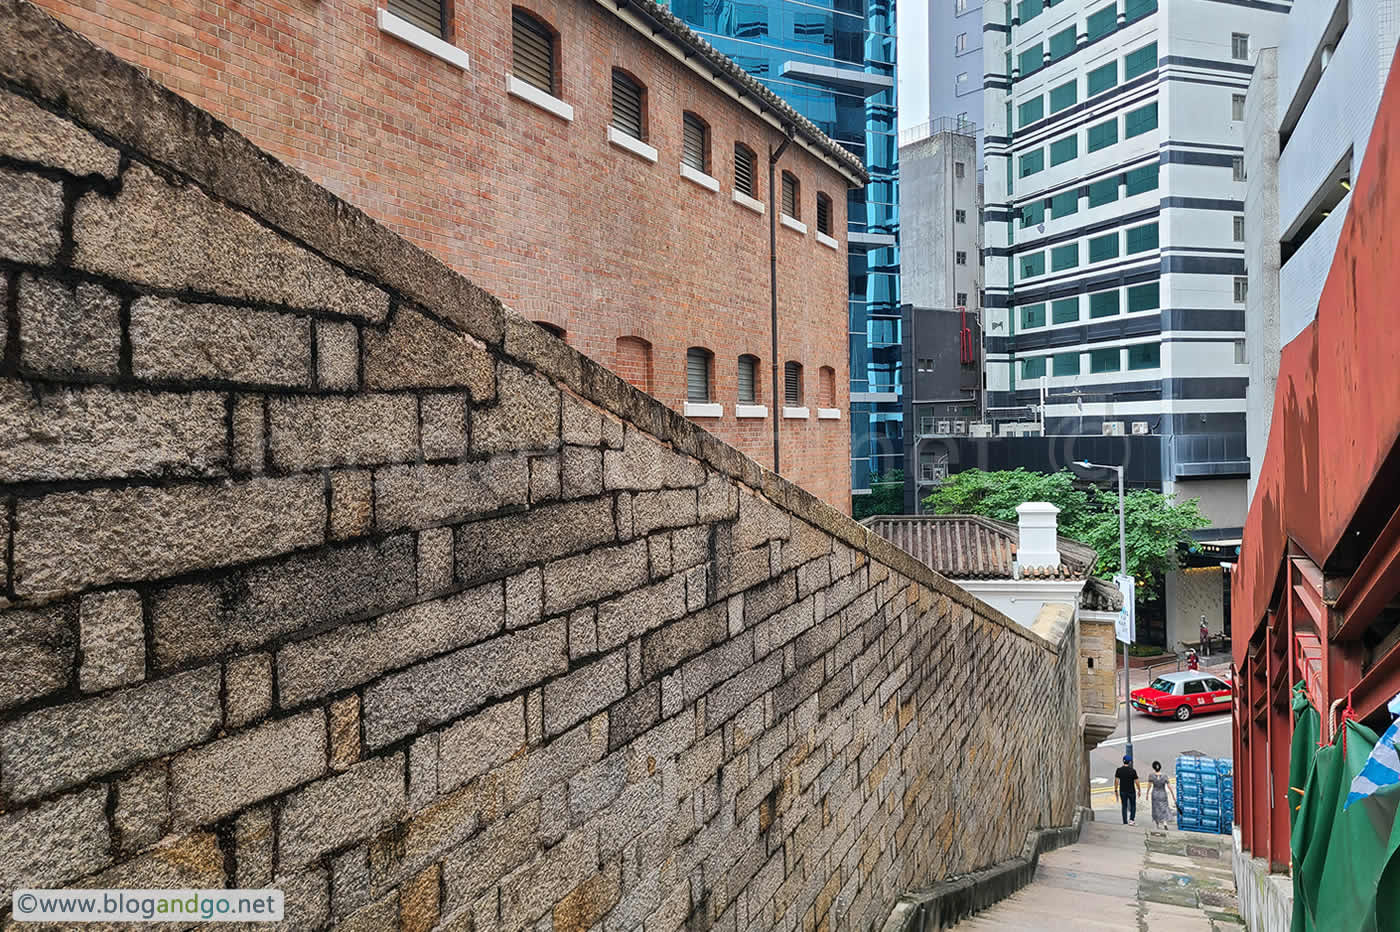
(834,62)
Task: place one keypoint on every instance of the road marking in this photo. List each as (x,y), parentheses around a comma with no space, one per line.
(1099,781)
(1138,739)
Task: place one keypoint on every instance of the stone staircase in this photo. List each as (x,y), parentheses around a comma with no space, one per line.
(1121,877)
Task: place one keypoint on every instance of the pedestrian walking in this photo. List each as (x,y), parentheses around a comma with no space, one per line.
(1159,793)
(1126,788)
(1205,637)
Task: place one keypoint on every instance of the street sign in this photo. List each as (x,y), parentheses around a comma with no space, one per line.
(1125,627)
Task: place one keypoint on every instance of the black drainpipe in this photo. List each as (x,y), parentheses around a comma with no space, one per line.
(773,156)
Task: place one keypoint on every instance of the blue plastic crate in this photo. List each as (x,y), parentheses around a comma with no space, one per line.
(1224,765)
(1188,765)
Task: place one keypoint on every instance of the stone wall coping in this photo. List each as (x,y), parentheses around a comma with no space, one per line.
(119,104)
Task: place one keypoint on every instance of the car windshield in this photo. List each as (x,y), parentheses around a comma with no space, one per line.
(1163,685)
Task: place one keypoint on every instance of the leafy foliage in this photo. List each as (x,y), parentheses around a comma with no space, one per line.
(886,496)
(1156,525)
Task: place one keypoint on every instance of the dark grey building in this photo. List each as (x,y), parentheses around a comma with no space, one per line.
(942,393)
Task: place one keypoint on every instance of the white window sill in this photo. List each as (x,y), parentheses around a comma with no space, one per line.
(533,95)
(792,224)
(752,204)
(703,410)
(796,414)
(405,31)
(828,241)
(750,410)
(829,414)
(697,177)
(631,143)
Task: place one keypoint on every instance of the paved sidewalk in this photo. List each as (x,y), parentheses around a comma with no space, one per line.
(1127,878)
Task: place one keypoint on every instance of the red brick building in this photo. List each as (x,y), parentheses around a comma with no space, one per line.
(595,164)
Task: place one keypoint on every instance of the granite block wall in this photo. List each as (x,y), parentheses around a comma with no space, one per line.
(325,571)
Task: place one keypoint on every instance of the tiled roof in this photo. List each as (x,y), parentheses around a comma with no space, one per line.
(727,69)
(1100,595)
(974,547)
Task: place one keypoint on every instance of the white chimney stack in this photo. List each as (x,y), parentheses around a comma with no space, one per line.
(1039,532)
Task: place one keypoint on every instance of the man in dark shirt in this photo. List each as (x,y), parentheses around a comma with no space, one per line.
(1125,787)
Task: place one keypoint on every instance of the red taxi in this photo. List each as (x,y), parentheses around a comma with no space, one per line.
(1182,695)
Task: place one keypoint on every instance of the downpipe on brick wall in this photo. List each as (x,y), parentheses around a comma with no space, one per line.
(773,156)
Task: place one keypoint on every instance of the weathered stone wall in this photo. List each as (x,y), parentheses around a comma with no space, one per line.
(324,571)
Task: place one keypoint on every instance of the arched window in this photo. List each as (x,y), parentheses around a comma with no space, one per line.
(745,170)
(629,112)
(792,196)
(534,58)
(823,213)
(553,330)
(698,363)
(695,143)
(633,361)
(826,387)
(792,384)
(748,380)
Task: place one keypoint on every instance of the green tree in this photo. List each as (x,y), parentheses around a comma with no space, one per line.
(886,496)
(1157,526)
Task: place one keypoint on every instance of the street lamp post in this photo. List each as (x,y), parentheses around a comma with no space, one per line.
(1122,568)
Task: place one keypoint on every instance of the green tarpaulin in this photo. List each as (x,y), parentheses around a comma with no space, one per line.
(1346,877)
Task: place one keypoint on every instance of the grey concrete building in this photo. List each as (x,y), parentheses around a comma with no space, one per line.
(1309,113)
(941,67)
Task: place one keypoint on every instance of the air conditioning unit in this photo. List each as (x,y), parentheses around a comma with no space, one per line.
(1139,428)
(1113,428)
(944,428)
(980,430)
(960,427)
(1009,430)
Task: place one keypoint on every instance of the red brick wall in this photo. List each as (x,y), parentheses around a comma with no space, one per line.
(547,214)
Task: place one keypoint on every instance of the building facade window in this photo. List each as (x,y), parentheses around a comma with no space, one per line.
(1238,167)
(1062,44)
(1032,265)
(1105,360)
(1064,257)
(1101,22)
(1139,121)
(695,143)
(1241,353)
(961,299)
(1241,289)
(1101,79)
(957,170)
(959,7)
(1032,213)
(960,216)
(1032,59)
(792,384)
(1066,95)
(1145,356)
(1137,9)
(1065,311)
(628,111)
(1102,248)
(1140,61)
(1032,162)
(823,214)
(1065,364)
(1103,135)
(1239,46)
(960,43)
(1064,204)
(534,53)
(960,257)
(1028,10)
(1141,239)
(428,15)
(748,380)
(1103,304)
(1032,316)
(1028,111)
(791,200)
(745,170)
(1063,150)
(1141,179)
(1144,297)
(1103,191)
(1237,107)
(698,362)
(1033,368)
(1239,229)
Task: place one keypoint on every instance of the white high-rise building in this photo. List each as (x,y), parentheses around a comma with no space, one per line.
(1115,238)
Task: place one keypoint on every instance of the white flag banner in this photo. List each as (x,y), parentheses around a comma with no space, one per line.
(1126,625)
